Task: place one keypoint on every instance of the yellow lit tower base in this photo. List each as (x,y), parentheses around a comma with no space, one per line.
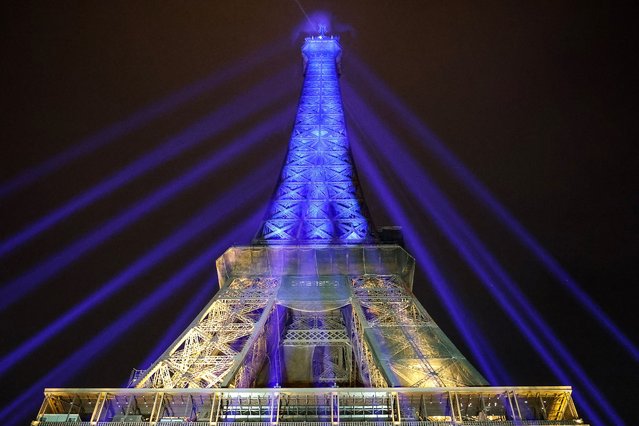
(315,322)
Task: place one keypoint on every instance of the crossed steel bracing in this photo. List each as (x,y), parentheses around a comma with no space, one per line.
(383,337)
(318,199)
(326,334)
(224,346)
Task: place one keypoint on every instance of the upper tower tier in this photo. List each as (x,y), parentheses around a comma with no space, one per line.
(318,198)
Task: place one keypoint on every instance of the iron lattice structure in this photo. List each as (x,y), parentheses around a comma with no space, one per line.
(297,321)
(318,198)
(316,321)
(225,344)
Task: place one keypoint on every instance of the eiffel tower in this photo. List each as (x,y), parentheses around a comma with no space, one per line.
(315,321)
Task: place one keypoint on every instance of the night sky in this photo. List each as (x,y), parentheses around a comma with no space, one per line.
(538,102)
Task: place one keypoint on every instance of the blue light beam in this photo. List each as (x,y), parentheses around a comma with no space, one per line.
(24,404)
(477,189)
(140,119)
(471,335)
(21,286)
(210,125)
(229,204)
(416,180)
(186,316)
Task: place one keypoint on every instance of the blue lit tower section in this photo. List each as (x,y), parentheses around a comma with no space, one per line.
(318,199)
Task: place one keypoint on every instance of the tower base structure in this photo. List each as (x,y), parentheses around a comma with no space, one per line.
(311,336)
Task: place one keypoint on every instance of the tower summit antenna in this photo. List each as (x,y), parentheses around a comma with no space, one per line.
(322,31)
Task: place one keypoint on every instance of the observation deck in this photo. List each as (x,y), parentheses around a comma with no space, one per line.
(476,406)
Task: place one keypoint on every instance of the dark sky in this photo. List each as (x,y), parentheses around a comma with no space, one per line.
(538,101)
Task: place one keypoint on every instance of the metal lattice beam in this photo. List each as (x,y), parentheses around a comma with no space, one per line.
(226,338)
(318,199)
(413,349)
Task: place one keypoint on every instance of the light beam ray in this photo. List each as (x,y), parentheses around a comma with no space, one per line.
(442,211)
(232,201)
(140,119)
(465,176)
(433,202)
(470,333)
(198,301)
(22,405)
(21,286)
(515,297)
(214,123)
(509,297)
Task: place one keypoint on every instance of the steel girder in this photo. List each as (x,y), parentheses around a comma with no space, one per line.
(224,346)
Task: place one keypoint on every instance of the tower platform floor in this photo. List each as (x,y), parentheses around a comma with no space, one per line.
(475,406)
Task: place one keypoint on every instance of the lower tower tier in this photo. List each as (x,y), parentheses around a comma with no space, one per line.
(320,335)
(307,316)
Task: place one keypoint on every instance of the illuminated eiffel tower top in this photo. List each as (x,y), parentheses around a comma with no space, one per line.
(318,199)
